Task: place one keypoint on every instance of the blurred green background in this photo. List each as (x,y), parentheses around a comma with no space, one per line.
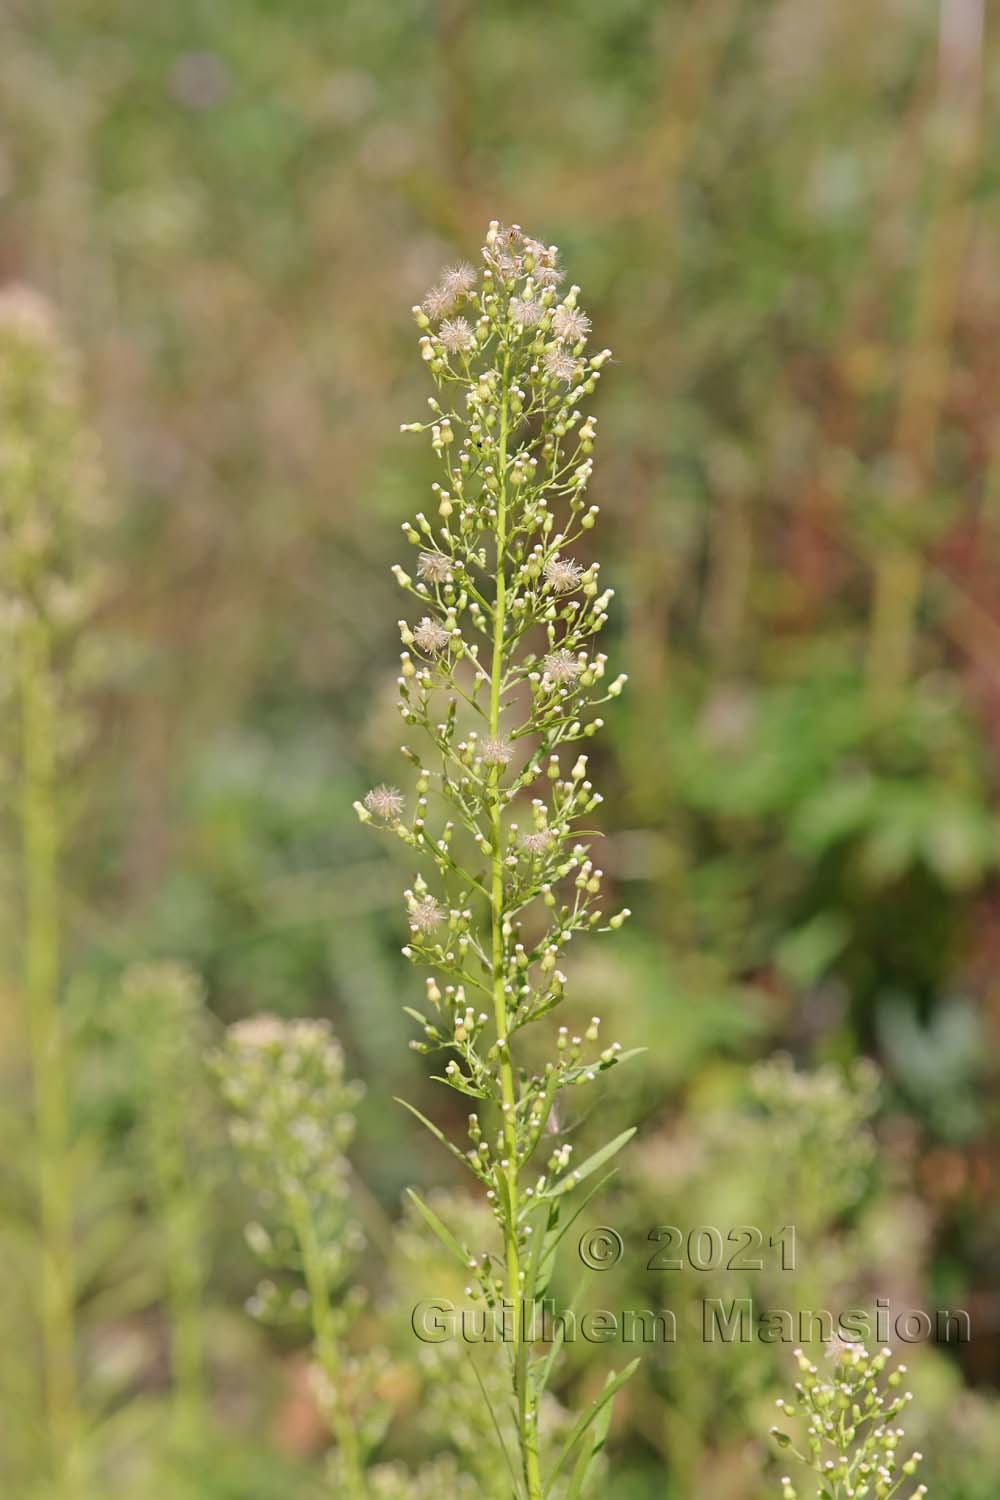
(786,221)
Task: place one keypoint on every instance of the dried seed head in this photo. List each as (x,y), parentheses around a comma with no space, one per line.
(435,567)
(457,336)
(537,843)
(426,914)
(562,574)
(430,635)
(548,275)
(528,314)
(559,364)
(439,301)
(496,751)
(458,280)
(570,324)
(561,666)
(385,802)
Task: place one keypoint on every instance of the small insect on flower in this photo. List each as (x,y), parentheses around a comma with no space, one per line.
(570,324)
(537,843)
(426,914)
(435,567)
(562,574)
(457,336)
(385,802)
(560,365)
(430,635)
(507,235)
(496,752)
(528,314)
(502,249)
(561,666)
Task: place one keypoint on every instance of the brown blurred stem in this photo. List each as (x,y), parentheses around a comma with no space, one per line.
(695,54)
(900,570)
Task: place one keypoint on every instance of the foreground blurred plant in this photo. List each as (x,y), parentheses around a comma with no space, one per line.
(49,483)
(294,1119)
(163,1016)
(850,1442)
(500,674)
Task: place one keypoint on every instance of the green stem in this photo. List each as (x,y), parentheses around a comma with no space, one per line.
(527,1413)
(182,1232)
(40,841)
(328,1350)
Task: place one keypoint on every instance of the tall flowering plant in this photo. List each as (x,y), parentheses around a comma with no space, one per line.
(51,497)
(501,678)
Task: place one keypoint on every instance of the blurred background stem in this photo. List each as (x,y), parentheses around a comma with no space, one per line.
(328,1354)
(182,1221)
(40,844)
(955,149)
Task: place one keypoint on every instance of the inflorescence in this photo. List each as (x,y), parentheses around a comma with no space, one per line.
(500,675)
(852,1437)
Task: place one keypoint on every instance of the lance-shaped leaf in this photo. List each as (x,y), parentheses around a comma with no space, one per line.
(442,1231)
(580,1427)
(592,1164)
(437,1134)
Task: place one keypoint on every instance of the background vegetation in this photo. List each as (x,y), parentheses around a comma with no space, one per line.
(786,220)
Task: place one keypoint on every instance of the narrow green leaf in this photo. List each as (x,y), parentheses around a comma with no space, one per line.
(554,1239)
(589,1452)
(496,1425)
(438,1135)
(592,1163)
(463,1087)
(542,1230)
(623,1057)
(443,1233)
(612,1387)
(545,1369)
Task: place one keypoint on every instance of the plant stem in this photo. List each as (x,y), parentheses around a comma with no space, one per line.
(527,1414)
(182,1231)
(328,1349)
(40,842)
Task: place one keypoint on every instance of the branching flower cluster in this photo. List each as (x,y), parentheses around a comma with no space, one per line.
(853,1442)
(502,678)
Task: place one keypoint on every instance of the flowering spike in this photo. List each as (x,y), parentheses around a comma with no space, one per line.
(498,821)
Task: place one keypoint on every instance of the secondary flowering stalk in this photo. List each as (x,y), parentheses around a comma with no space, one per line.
(500,674)
(852,1440)
(292,1121)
